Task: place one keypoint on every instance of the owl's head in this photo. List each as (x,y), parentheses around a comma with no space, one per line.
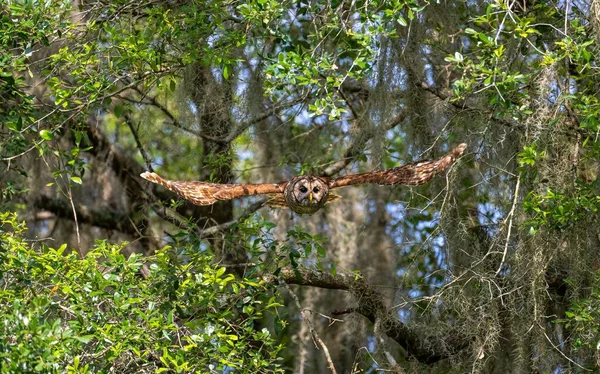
(306,194)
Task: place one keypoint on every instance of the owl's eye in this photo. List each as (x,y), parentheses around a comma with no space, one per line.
(303,189)
(316,190)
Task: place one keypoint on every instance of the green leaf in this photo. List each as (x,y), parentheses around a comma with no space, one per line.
(226,72)
(484,38)
(84,338)
(76,180)
(320,250)
(118,110)
(46,135)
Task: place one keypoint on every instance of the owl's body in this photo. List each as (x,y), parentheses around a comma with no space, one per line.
(307,194)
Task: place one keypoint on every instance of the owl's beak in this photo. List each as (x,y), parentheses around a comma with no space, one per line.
(310,197)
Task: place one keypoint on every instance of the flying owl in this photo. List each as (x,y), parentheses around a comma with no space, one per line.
(307,194)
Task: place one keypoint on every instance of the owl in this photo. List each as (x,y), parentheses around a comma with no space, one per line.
(307,194)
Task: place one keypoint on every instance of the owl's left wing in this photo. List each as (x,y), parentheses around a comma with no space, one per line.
(410,174)
(203,193)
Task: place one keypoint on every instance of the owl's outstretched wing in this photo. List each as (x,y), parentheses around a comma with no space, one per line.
(202,193)
(411,174)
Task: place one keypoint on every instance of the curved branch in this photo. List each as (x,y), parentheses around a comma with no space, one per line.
(371,304)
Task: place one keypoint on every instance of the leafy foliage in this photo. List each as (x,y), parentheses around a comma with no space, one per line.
(222,90)
(99,314)
(581,321)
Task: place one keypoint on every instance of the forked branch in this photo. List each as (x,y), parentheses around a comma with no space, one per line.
(371,304)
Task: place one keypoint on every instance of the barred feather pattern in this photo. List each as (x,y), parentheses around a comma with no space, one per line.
(283,194)
(203,193)
(410,174)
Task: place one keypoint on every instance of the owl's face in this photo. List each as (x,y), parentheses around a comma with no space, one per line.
(306,194)
(309,191)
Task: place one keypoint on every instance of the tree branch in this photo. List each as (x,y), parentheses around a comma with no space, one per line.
(237,131)
(138,143)
(462,104)
(104,218)
(306,316)
(371,304)
(357,146)
(153,101)
(128,171)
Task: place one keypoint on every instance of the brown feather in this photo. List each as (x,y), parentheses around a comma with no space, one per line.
(332,197)
(203,193)
(276,201)
(411,174)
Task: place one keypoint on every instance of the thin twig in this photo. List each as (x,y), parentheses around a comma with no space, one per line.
(329,318)
(313,332)
(358,146)
(129,122)
(75,218)
(510,221)
(237,131)
(561,352)
(153,101)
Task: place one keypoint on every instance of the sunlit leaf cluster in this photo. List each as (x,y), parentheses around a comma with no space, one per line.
(107,312)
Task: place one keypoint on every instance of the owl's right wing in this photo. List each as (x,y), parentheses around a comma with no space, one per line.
(410,174)
(203,193)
